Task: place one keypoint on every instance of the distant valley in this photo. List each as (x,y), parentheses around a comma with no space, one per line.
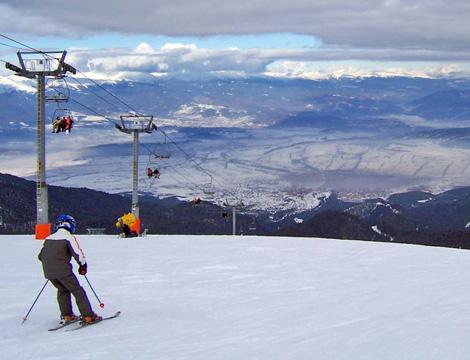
(268,142)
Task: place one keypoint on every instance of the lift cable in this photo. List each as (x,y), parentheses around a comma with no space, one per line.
(51,57)
(183,168)
(182,175)
(94,112)
(11,46)
(121,101)
(109,92)
(20,43)
(92,92)
(88,108)
(186,154)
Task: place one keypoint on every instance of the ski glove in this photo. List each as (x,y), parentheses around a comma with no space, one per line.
(82,269)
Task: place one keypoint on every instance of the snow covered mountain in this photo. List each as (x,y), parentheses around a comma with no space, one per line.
(271,143)
(415,218)
(245,298)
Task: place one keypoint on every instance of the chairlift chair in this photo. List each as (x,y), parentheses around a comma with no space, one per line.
(162,150)
(162,156)
(209,188)
(152,161)
(57,89)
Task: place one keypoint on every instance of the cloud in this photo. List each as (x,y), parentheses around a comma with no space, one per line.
(189,60)
(13,21)
(144,62)
(424,24)
(172,59)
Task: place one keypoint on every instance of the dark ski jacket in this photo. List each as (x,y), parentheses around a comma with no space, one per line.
(57,252)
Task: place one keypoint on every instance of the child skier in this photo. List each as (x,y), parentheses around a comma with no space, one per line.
(55,256)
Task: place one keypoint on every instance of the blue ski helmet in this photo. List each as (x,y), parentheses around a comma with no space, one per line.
(67,222)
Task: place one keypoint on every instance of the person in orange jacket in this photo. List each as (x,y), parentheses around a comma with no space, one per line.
(68,124)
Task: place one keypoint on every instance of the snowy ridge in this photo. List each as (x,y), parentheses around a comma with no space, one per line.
(206,115)
(380,232)
(368,208)
(232,298)
(425,200)
(388,206)
(225,134)
(16,83)
(298,70)
(275,201)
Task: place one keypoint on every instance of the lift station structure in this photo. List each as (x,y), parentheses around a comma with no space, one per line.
(135,125)
(41,66)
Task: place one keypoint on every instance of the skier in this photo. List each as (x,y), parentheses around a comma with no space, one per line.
(123,228)
(68,124)
(153,173)
(57,125)
(55,256)
(126,225)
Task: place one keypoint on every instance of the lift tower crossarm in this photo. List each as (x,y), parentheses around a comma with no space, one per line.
(19,71)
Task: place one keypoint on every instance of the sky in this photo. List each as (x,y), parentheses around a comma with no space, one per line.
(296,38)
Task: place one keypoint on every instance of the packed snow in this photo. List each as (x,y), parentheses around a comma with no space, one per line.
(225,297)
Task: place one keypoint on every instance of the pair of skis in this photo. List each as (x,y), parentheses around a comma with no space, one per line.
(82,324)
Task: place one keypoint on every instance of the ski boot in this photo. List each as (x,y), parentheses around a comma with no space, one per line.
(65,319)
(91,319)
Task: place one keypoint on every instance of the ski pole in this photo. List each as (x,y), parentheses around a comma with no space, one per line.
(97,298)
(34,303)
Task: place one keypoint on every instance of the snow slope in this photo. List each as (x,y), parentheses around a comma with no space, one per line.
(223,297)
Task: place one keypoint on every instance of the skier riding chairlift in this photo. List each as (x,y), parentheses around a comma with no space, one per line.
(62,124)
(153,173)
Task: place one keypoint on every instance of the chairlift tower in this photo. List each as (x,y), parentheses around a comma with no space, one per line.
(136,124)
(235,206)
(41,65)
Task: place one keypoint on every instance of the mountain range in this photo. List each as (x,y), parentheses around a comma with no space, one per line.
(413,217)
(271,143)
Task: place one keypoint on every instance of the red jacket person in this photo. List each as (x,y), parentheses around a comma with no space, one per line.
(55,255)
